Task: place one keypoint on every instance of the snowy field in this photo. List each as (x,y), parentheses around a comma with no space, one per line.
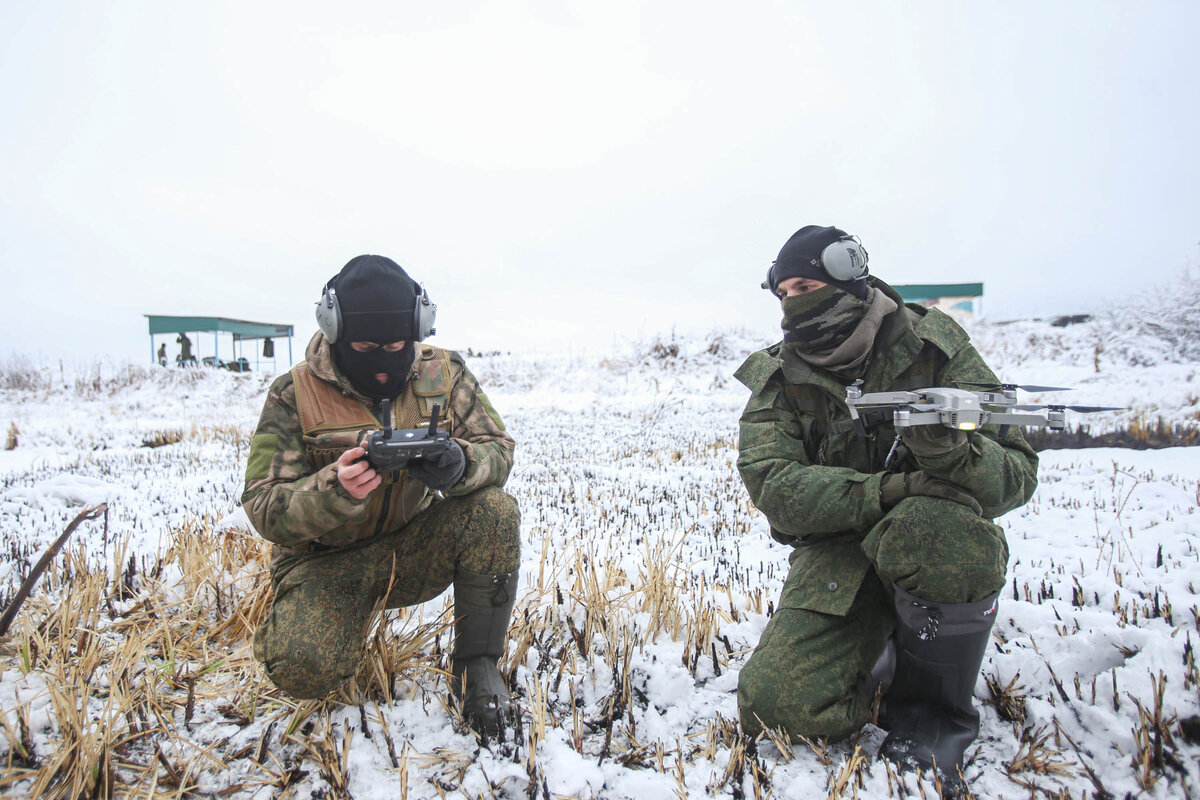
(647,579)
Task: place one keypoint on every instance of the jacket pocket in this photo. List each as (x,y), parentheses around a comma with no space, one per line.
(825,576)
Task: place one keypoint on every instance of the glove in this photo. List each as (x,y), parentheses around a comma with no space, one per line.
(930,441)
(443,471)
(894,488)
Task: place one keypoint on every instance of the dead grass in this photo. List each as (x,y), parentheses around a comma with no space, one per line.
(138,680)
(127,669)
(1140,434)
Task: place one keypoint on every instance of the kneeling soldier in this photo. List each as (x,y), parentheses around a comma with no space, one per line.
(900,565)
(346,535)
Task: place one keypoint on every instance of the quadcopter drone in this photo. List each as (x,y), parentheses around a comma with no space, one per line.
(959,409)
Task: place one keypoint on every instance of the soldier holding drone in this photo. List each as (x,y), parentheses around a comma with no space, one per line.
(895,570)
(365,517)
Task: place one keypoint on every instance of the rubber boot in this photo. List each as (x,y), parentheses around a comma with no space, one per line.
(879,681)
(930,714)
(482,607)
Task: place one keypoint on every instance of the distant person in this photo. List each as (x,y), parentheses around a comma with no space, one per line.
(185,350)
(343,533)
(162,354)
(895,573)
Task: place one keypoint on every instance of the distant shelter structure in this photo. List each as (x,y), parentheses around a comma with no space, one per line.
(241,331)
(966,298)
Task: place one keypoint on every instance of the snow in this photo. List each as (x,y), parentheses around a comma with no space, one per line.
(632,508)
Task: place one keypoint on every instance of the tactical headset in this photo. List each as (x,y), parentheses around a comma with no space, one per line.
(329,315)
(843,260)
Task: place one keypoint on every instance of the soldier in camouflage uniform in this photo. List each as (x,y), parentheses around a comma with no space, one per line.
(185,350)
(350,541)
(895,573)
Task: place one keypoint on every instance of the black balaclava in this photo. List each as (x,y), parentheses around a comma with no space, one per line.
(800,257)
(377,301)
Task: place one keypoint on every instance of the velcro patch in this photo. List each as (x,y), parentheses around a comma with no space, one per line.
(262,450)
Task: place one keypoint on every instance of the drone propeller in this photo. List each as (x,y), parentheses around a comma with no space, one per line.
(1079,409)
(1026,387)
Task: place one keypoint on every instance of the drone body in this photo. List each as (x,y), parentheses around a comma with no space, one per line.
(960,409)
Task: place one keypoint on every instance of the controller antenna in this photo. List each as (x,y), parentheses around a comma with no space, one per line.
(385,410)
(433,421)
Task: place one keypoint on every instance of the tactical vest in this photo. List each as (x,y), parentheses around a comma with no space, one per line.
(333,421)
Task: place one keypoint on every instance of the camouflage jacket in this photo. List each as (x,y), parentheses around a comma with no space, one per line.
(817,481)
(292,495)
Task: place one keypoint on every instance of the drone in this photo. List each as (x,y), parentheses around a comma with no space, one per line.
(959,409)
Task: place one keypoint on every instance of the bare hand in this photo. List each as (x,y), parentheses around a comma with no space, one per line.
(358,477)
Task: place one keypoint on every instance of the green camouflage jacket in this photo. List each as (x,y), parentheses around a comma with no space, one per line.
(292,495)
(818,482)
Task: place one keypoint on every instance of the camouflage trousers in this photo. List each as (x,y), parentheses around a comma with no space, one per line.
(808,674)
(325,602)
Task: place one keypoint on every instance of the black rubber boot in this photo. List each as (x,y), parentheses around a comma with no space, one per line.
(931,718)
(482,607)
(879,681)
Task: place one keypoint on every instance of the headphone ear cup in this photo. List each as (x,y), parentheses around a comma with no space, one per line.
(770,278)
(845,260)
(424,316)
(329,315)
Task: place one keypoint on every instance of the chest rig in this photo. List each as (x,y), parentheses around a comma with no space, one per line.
(332,422)
(331,418)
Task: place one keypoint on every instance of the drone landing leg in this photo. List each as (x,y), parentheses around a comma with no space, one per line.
(898,449)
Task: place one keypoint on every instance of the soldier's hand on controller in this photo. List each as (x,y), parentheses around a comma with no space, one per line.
(355,473)
(442,471)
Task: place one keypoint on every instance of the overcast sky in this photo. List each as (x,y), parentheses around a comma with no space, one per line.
(568,173)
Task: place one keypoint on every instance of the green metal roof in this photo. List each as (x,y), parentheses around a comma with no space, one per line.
(240,328)
(932,291)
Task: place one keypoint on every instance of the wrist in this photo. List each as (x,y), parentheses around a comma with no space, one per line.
(892,490)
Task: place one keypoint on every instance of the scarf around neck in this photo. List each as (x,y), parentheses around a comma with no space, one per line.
(832,329)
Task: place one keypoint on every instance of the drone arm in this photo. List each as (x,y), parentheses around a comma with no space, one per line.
(886,399)
(908,419)
(1024,420)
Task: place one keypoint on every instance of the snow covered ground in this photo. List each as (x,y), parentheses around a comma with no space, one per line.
(647,578)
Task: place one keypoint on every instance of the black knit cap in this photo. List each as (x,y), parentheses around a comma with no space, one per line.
(800,257)
(376,299)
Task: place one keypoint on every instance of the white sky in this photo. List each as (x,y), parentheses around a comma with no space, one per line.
(563,173)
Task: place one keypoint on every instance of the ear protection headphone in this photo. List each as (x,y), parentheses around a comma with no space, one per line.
(329,315)
(845,259)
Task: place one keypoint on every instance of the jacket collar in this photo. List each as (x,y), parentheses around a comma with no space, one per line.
(896,345)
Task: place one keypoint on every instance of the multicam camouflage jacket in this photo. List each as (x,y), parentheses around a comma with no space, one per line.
(817,481)
(312,415)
